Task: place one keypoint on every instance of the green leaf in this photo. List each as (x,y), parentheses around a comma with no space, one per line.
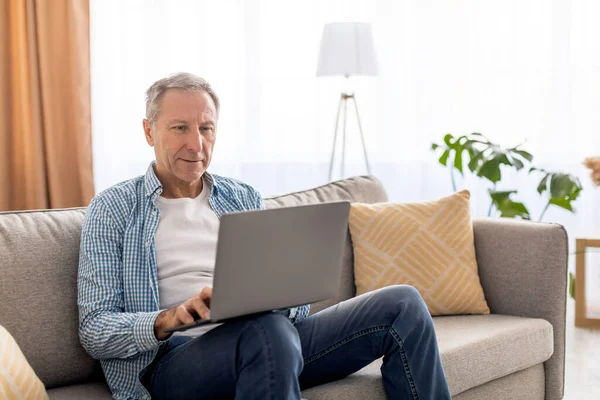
(563,189)
(503,158)
(448,139)
(458,144)
(558,185)
(507,207)
(524,154)
(476,157)
(461,139)
(571,285)
(500,195)
(434,146)
(490,169)
(469,144)
(543,185)
(562,203)
(563,185)
(518,164)
(444,158)
(479,138)
(478,141)
(458,162)
(514,209)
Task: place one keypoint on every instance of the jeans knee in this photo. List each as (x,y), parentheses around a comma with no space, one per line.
(406,300)
(279,341)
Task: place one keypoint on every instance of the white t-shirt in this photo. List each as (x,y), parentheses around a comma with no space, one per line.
(186,245)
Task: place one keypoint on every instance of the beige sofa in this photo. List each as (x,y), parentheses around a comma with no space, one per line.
(517,352)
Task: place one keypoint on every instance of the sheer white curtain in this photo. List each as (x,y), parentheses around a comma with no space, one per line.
(519,70)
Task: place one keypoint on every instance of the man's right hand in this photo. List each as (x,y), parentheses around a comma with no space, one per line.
(196,307)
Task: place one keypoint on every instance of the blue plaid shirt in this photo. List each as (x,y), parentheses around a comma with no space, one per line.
(118,281)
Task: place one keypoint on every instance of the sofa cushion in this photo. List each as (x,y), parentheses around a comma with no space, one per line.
(364,189)
(527,384)
(364,384)
(428,245)
(475,349)
(38,292)
(87,391)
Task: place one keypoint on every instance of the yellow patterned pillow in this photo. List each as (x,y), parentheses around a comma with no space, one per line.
(426,245)
(17,379)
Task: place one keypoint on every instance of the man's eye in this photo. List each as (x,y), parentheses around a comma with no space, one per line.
(180,127)
(206,128)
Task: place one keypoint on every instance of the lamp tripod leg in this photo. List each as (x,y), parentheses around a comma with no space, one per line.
(335,132)
(344,136)
(362,138)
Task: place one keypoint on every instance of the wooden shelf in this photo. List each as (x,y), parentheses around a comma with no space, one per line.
(581,318)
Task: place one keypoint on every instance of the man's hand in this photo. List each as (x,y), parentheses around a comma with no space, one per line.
(186,313)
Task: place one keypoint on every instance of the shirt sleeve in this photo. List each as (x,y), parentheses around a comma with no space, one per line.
(105,329)
(296,314)
(259,203)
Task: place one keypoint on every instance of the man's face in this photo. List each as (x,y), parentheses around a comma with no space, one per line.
(183,135)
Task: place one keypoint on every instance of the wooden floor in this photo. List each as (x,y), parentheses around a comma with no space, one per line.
(582,360)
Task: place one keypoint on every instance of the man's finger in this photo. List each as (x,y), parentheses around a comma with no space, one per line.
(206,293)
(201,308)
(183,315)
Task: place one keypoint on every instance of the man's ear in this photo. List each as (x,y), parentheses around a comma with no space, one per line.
(148,132)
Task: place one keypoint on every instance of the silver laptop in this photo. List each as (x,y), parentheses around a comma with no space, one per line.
(276,259)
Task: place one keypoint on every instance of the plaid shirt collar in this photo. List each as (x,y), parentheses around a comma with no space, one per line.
(154,187)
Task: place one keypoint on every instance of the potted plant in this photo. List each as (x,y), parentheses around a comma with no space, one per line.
(486,160)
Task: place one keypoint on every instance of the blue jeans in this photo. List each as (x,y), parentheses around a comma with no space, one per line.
(267,357)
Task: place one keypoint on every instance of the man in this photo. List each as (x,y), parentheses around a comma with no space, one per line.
(147,252)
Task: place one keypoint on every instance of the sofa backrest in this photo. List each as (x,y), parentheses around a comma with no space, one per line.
(39,254)
(364,189)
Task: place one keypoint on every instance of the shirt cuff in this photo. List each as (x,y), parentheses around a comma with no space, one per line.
(293,312)
(143,331)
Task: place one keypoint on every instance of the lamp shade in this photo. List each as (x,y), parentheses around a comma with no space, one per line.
(347,49)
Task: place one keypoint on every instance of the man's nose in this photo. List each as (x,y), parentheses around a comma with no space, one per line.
(195,141)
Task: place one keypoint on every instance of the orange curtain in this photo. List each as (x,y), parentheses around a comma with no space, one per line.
(45,123)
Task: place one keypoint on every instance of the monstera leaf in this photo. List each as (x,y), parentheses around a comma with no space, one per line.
(487,160)
(561,189)
(494,156)
(452,147)
(507,207)
(484,157)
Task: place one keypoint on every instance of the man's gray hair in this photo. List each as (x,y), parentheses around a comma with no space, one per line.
(182,80)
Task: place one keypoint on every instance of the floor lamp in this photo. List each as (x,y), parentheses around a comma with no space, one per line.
(347,49)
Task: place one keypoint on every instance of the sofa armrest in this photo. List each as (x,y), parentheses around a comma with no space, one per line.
(523,270)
